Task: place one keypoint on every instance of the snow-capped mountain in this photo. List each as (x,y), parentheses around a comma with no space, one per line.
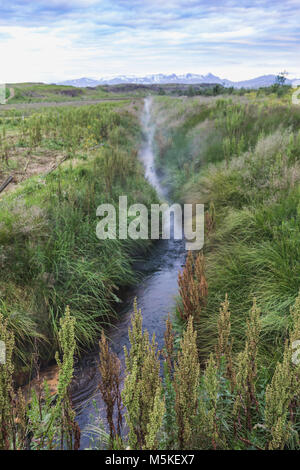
(80,82)
(188,78)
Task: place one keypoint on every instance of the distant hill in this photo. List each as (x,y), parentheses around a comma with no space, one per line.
(80,82)
(188,78)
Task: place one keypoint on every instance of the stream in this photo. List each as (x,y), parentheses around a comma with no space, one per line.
(155,296)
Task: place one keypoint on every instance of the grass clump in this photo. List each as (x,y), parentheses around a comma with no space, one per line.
(42,423)
(142,388)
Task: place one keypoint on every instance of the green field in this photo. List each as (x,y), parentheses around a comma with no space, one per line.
(37,93)
(228,377)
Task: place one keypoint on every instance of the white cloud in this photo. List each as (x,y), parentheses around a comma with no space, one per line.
(138,37)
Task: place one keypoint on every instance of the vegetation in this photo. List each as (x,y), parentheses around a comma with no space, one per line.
(40,92)
(230,404)
(44,94)
(227,377)
(188,409)
(50,254)
(41,423)
(242,160)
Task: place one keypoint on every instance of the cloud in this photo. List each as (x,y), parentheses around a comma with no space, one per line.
(58,39)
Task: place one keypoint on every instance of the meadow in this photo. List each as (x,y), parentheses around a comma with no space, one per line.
(39,93)
(227,376)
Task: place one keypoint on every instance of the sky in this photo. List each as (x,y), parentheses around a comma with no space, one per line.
(53,40)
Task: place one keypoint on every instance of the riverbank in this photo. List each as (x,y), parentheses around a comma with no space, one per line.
(50,255)
(241,159)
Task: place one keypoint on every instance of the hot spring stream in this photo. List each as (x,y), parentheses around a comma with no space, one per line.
(155,295)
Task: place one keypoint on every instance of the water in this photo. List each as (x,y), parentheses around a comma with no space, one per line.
(155,295)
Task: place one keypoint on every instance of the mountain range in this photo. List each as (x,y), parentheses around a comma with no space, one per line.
(188,78)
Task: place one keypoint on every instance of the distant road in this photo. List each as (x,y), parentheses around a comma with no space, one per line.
(46,104)
(11,94)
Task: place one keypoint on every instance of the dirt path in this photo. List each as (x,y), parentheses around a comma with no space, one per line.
(11,94)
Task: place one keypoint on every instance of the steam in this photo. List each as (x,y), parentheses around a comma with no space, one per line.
(171,224)
(147,151)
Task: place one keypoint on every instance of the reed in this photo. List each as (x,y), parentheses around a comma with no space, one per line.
(41,423)
(142,388)
(110,387)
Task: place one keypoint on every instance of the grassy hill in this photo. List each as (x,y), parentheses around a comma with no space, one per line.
(40,92)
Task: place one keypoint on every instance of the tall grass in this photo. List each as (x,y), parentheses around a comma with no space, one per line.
(228,403)
(44,422)
(50,255)
(243,157)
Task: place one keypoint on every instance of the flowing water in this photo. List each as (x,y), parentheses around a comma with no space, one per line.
(155,296)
